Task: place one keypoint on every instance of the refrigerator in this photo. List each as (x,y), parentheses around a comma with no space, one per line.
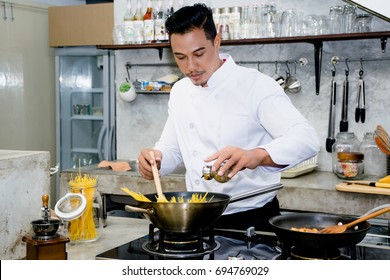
(85,106)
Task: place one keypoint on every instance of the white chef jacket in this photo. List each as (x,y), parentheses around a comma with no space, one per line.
(240,107)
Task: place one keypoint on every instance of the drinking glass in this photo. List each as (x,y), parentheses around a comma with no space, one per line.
(288,23)
(349,16)
(336,20)
(363,23)
(269,20)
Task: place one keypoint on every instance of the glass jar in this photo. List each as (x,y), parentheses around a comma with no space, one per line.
(350,165)
(87,227)
(345,142)
(374,159)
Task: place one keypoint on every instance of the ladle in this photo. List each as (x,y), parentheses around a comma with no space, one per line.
(156,178)
(343,228)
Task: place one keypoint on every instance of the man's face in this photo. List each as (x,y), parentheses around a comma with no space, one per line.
(196,56)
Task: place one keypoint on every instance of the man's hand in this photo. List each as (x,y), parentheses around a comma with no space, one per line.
(145,161)
(237,159)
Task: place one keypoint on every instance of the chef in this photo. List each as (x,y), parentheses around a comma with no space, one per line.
(236,119)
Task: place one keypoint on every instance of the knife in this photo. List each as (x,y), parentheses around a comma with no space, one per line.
(369,183)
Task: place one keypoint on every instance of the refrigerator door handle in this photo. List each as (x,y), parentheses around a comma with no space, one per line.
(100,142)
(111,137)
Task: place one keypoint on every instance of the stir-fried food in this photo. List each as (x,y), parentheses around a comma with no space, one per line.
(305,229)
(195,197)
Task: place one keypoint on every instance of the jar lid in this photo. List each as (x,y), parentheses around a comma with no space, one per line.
(71,206)
(350,156)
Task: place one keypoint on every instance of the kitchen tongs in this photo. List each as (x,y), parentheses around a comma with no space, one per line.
(344,109)
(332,111)
(360,112)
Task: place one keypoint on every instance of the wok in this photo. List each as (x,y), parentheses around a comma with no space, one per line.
(282,226)
(186,217)
(178,217)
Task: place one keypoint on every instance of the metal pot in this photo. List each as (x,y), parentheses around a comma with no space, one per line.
(282,225)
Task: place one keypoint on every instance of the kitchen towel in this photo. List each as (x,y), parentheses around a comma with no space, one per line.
(115,166)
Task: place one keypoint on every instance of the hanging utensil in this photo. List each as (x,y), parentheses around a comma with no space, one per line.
(344,109)
(332,110)
(360,112)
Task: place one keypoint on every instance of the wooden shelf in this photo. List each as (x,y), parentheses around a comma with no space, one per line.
(277,40)
(317,41)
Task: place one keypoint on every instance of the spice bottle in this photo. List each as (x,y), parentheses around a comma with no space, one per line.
(208,174)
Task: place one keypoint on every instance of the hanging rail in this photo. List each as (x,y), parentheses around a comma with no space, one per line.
(335,59)
(302,61)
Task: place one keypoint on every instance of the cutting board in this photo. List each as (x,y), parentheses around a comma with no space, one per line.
(350,187)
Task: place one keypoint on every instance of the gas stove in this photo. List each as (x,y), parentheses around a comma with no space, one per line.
(217,244)
(210,244)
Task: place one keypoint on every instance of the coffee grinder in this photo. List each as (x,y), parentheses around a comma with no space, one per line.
(46,243)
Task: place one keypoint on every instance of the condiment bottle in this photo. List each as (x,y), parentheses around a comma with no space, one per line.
(149,23)
(208,174)
(160,33)
(138,23)
(374,159)
(128,23)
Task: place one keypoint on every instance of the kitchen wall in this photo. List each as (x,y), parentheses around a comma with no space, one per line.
(27,96)
(140,122)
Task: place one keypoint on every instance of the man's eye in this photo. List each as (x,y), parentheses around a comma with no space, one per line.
(180,57)
(199,54)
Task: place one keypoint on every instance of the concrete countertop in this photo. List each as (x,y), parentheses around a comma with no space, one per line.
(119,230)
(315,191)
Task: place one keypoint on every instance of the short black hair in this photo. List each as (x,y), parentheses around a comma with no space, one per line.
(188,18)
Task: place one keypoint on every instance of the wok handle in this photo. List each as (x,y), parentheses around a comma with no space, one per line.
(129,208)
(264,190)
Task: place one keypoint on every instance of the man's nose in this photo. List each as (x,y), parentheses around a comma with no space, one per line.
(191,65)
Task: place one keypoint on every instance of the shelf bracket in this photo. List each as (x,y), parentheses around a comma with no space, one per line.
(383,44)
(317,64)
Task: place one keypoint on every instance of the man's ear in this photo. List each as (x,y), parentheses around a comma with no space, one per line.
(217,40)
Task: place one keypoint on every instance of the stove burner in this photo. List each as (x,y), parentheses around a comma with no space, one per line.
(179,245)
(289,252)
(301,253)
(207,249)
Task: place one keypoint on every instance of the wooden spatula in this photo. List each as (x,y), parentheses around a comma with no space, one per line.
(343,228)
(160,196)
